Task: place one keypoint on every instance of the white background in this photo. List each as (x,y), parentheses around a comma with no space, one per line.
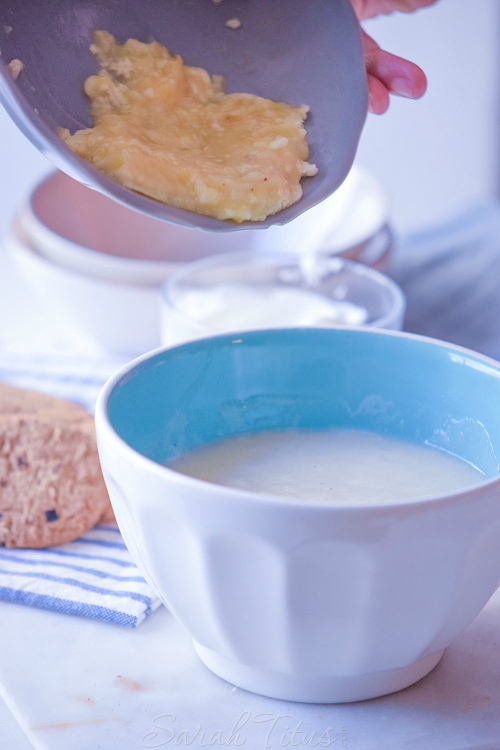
(440,154)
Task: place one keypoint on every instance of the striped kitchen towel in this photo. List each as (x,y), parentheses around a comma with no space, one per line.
(93,576)
(57,370)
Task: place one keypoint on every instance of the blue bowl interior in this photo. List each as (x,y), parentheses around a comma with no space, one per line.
(410,388)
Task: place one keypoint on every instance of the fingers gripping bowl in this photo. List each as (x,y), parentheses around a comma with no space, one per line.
(308,601)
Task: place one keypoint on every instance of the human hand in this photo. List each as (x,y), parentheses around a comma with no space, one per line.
(388,74)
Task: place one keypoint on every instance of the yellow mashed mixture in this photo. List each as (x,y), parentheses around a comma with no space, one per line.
(167,130)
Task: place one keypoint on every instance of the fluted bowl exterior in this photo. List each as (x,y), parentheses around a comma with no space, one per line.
(300,600)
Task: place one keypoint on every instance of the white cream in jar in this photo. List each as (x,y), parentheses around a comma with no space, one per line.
(337,465)
(239,307)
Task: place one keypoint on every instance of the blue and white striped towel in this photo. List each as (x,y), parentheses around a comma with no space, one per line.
(92,576)
(57,370)
(95,575)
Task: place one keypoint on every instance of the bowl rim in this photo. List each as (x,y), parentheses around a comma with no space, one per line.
(379,279)
(94,263)
(83,259)
(106,432)
(20,245)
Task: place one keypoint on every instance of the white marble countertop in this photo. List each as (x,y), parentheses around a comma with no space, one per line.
(78,683)
(12,735)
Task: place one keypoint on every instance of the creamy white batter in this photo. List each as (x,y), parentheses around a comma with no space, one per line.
(328,466)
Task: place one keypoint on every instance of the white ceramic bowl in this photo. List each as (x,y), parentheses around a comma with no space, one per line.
(295,599)
(100,265)
(116,317)
(86,232)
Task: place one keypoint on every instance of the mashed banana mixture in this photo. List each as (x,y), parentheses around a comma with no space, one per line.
(168,131)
